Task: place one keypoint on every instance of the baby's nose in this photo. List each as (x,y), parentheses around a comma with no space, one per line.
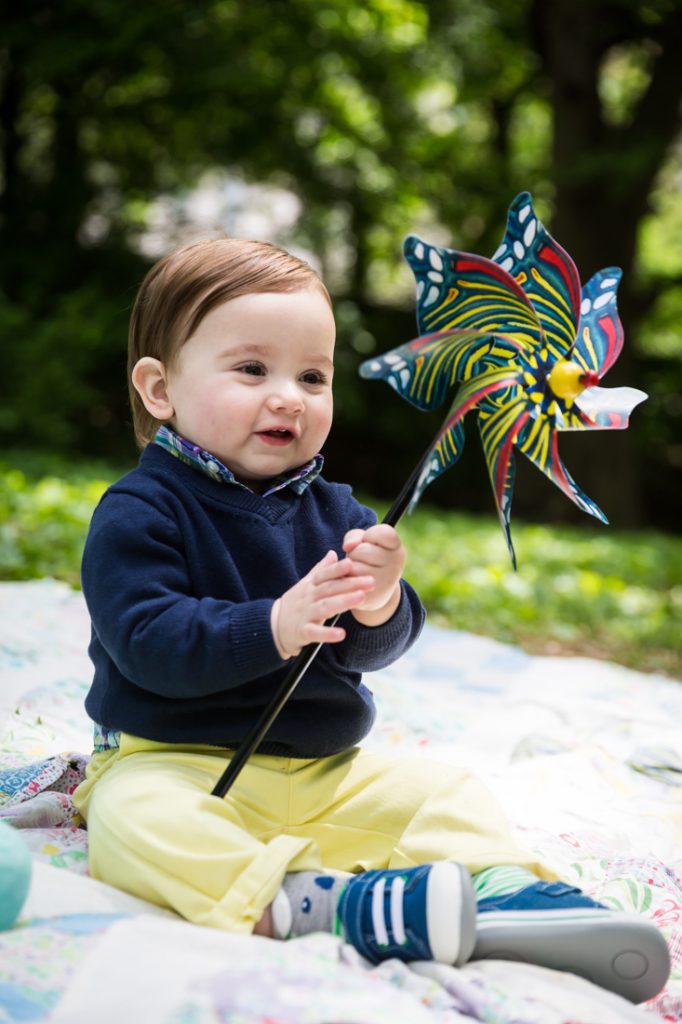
(288,396)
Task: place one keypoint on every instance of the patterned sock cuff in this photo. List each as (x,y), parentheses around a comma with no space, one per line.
(500,880)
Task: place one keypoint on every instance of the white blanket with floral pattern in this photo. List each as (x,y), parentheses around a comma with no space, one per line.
(586,757)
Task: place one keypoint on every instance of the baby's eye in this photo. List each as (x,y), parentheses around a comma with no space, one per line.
(313,377)
(254,369)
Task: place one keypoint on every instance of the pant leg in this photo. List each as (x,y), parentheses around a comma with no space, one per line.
(367,811)
(156,832)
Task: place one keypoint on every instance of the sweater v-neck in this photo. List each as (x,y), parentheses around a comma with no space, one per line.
(273,507)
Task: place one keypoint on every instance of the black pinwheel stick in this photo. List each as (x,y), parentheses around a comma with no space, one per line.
(252,741)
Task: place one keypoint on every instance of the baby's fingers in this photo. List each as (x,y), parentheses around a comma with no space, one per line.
(383,535)
(343,585)
(331,558)
(352,539)
(315,633)
(328,607)
(329,568)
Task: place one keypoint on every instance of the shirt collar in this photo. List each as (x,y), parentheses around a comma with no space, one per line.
(191,454)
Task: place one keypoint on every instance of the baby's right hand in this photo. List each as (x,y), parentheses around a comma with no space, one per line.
(298,616)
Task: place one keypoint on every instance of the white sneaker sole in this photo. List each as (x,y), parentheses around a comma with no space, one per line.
(620,952)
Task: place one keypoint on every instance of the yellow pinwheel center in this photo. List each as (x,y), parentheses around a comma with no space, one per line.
(568,380)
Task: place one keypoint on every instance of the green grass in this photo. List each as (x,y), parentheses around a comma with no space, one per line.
(595,592)
(45,509)
(586,591)
(589,591)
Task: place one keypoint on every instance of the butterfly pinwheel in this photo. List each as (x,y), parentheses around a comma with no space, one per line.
(526,346)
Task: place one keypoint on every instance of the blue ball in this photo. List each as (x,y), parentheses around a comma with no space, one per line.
(15,874)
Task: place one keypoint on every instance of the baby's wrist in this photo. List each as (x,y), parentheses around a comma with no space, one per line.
(378,616)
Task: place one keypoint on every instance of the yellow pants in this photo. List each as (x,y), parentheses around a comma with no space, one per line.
(155,830)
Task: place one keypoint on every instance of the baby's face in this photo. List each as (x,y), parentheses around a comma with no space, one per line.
(253,383)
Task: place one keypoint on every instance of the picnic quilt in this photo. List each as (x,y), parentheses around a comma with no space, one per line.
(586,756)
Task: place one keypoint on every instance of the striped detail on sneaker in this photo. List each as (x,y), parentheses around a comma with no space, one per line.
(389,927)
(379,923)
(397,916)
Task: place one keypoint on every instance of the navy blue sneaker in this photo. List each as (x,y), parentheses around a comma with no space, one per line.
(422,913)
(556,925)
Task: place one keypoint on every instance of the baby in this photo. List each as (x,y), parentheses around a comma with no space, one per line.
(205,570)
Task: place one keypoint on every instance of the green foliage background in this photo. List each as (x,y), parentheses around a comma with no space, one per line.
(591,592)
(377,117)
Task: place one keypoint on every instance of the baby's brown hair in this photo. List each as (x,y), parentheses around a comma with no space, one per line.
(184,286)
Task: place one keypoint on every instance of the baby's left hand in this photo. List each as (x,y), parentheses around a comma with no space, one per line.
(377,552)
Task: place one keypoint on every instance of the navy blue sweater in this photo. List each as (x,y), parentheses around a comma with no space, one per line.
(180,573)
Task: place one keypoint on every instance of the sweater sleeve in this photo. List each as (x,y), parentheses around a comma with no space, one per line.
(369,648)
(137,587)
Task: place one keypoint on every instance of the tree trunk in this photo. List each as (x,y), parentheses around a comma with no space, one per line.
(604,175)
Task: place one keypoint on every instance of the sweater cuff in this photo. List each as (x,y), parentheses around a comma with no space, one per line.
(250,637)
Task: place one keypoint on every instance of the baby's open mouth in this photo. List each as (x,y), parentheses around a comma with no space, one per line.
(280,435)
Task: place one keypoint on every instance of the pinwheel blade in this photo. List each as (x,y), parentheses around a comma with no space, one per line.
(499,427)
(443,454)
(446,448)
(608,408)
(544,271)
(538,442)
(466,292)
(600,333)
(425,369)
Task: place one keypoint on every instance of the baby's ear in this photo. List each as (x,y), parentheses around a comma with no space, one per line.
(150,382)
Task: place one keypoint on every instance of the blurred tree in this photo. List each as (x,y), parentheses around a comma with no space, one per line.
(382,116)
(612,137)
